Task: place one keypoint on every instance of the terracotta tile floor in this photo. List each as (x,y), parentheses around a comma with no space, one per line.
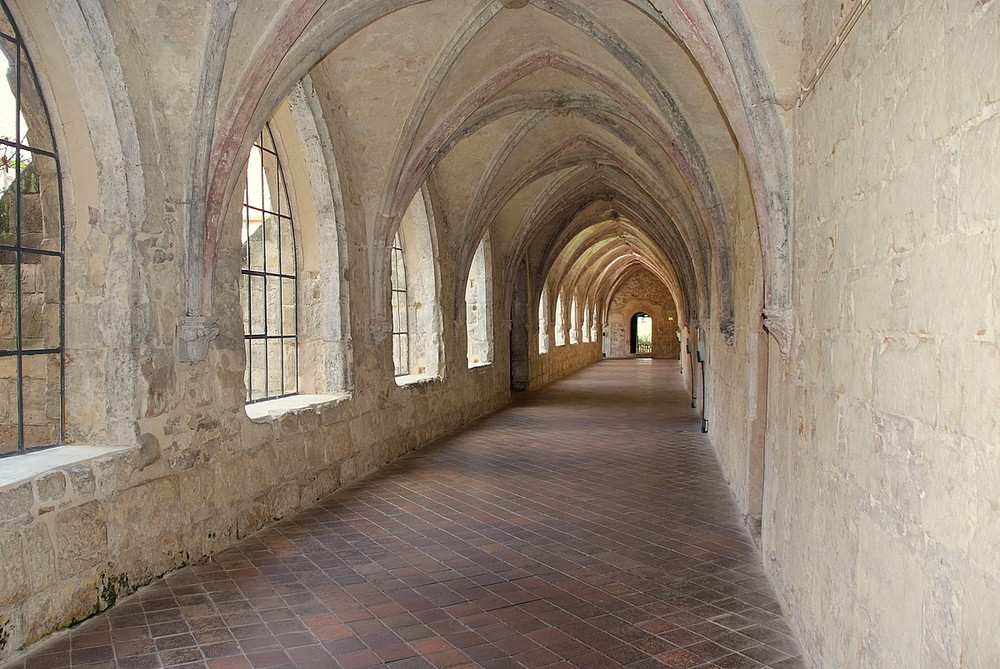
(585,526)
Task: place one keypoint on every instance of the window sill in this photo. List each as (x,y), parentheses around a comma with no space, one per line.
(271,409)
(416,379)
(478,365)
(17,469)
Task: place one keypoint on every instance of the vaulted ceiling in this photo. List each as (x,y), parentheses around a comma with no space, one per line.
(588,137)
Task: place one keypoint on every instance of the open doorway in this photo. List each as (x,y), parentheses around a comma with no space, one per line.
(641,340)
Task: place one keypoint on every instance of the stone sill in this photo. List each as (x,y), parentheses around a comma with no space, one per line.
(416,379)
(479,365)
(272,409)
(19,469)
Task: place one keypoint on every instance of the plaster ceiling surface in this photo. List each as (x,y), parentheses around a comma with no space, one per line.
(521,118)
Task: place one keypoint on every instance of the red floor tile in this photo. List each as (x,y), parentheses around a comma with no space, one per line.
(587,525)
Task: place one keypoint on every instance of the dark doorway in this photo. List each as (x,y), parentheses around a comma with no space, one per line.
(641,334)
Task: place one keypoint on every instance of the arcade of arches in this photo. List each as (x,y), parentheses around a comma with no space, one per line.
(448,200)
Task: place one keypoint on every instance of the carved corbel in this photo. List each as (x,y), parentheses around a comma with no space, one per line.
(194,334)
(780,325)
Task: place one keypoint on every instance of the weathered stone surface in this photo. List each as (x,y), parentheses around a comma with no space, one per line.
(81,537)
(41,567)
(15,502)
(81,478)
(142,513)
(13,577)
(50,487)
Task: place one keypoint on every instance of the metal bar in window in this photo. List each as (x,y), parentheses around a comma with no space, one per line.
(259,210)
(258,273)
(29,249)
(34,351)
(18,143)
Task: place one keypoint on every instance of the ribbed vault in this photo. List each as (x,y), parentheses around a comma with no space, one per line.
(585,137)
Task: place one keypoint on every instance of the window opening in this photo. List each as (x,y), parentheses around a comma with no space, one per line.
(479,333)
(270,296)
(543,323)
(642,334)
(574,323)
(32,264)
(400,319)
(560,329)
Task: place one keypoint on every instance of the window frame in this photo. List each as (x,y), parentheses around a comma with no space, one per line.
(247,274)
(400,306)
(23,66)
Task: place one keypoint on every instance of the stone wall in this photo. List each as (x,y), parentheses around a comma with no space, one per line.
(882,509)
(77,537)
(642,292)
(560,361)
(736,374)
(163,466)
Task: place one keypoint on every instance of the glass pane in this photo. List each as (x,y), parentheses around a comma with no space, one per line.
(256,322)
(254,187)
(39,193)
(287,242)
(40,309)
(288,307)
(267,182)
(270,241)
(399,321)
(245,234)
(8,303)
(247,380)
(400,354)
(42,399)
(34,121)
(257,365)
(291,366)
(398,270)
(8,404)
(255,242)
(8,101)
(273,306)
(245,301)
(275,369)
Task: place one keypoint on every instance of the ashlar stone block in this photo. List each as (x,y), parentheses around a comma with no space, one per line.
(50,486)
(15,502)
(13,580)
(81,537)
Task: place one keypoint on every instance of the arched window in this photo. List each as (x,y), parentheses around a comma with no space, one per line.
(574,323)
(560,328)
(415,294)
(585,330)
(543,323)
(400,319)
(31,259)
(478,316)
(269,288)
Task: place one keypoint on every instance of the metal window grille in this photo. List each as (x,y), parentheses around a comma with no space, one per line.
(400,319)
(31,259)
(269,289)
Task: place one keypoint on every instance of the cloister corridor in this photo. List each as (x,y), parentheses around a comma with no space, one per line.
(585,525)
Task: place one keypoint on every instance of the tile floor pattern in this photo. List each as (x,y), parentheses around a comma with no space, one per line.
(587,526)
